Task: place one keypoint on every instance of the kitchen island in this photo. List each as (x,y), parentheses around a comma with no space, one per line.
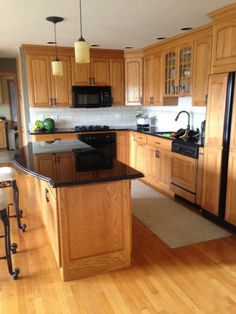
(86,210)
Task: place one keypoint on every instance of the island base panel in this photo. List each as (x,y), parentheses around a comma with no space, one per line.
(95,228)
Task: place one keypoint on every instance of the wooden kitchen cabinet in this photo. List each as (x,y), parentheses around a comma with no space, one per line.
(57,166)
(178,71)
(134,81)
(214,142)
(153,79)
(132,148)
(230,210)
(140,157)
(53,137)
(164,170)
(117,80)
(3,136)
(51,220)
(97,72)
(201,70)
(224,39)
(152,165)
(122,146)
(61,85)
(46,90)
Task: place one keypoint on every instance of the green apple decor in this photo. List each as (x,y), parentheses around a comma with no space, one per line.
(49,124)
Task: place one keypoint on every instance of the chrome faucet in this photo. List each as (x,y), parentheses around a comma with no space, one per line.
(183,111)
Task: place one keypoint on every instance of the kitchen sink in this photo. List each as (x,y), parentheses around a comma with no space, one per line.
(167,134)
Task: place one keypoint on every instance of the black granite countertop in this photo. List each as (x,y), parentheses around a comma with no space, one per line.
(154,131)
(57,163)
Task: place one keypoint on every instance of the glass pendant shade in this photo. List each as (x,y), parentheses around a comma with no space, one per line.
(57,68)
(82,53)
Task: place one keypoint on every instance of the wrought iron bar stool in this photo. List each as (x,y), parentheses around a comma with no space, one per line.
(8,179)
(9,247)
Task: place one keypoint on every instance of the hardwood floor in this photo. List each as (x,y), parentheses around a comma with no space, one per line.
(197,279)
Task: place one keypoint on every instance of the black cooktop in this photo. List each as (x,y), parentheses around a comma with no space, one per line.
(91,128)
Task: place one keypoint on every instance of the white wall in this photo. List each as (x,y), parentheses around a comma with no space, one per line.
(123,115)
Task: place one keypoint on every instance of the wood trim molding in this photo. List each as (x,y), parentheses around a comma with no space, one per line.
(223,13)
(69,51)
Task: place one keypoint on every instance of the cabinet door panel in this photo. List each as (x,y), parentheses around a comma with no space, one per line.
(148,77)
(132,149)
(80,73)
(117,81)
(122,144)
(133,81)
(230,214)
(66,170)
(216,110)
(211,179)
(151,165)
(39,80)
(224,45)
(158,79)
(61,85)
(3,139)
(140,157)
(201,70)
(164,170)
(45,165)
(100,71)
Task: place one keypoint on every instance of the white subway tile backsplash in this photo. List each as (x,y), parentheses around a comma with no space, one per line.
(162,116)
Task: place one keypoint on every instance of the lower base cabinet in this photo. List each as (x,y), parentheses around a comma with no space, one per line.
(122,146)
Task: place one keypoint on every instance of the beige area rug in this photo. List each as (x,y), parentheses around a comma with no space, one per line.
(173,223)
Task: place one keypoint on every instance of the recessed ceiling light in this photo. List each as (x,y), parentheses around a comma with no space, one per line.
(95,45)
(185,28)
(51,42)
(129,47)
(161,38)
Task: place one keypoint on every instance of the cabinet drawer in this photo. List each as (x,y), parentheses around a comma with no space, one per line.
(141,138)
(159,142)
(53,137)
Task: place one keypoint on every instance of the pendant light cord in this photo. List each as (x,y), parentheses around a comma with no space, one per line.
(55,38)
(81,29)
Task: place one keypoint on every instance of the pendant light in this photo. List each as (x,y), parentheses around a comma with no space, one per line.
(82,54)
(57,68)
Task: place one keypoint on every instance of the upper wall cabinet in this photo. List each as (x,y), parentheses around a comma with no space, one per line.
(201,70)
(178,71)
(224,39)
(97,72)
(46,90)
(153,79)
(117,79)
(134,81)
(101,71)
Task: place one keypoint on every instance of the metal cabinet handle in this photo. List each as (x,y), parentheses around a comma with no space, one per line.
(158,143)
(51,102)
(157,154)
(176,89)
(46,195)
(206,99)
(94,81)
(134,137)
(54,102)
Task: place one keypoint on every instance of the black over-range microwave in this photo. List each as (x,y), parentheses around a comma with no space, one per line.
(91,96)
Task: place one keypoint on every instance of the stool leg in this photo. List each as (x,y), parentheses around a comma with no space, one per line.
(21,226)
(14,272)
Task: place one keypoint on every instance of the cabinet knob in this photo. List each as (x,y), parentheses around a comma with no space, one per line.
(157,154)
(51,102)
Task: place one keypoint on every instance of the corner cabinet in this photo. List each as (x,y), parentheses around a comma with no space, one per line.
(153,79)
(178,71)
(46,90)
(134,81)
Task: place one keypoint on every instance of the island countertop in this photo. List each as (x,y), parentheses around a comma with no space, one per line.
(58,163)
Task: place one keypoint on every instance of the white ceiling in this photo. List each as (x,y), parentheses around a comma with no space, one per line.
(110,23)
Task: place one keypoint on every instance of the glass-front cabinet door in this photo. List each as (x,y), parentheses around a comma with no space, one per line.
(170,72)
(185,71)
(178,71)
